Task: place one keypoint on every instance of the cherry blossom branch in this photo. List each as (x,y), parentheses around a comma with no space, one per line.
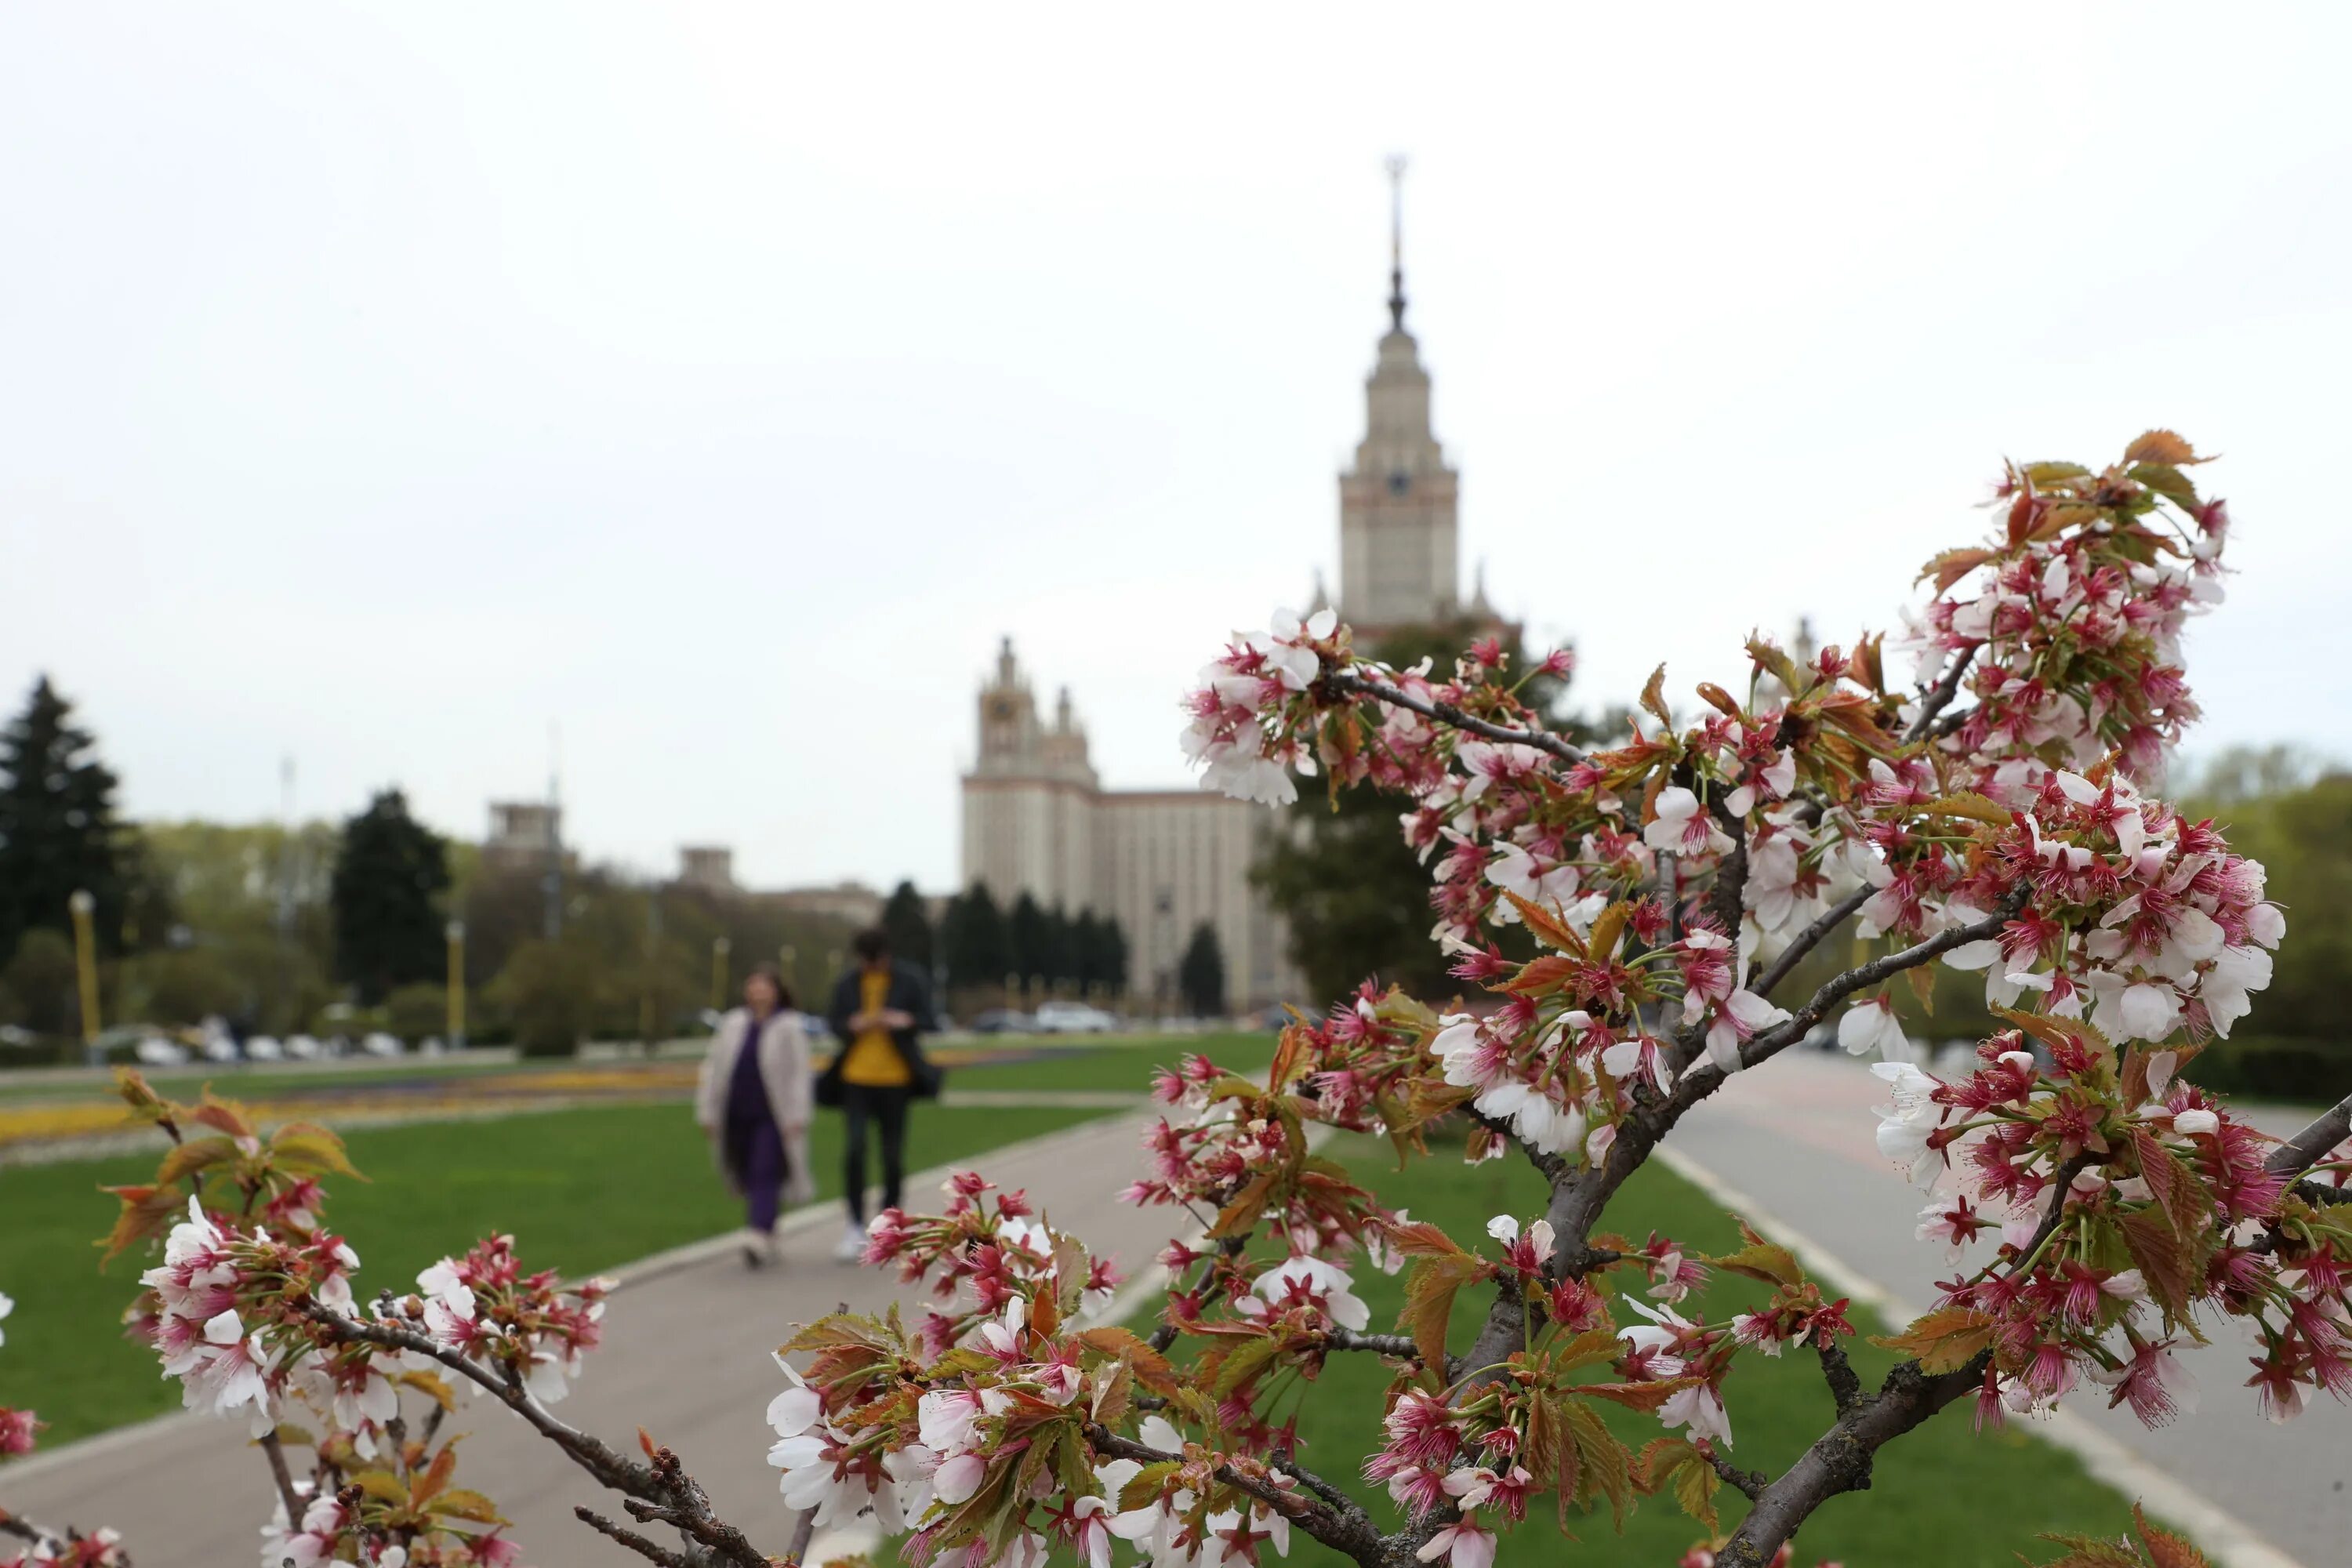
(276,1453)
(1793,954)
(803,1532)
(1941,696)
(1768,1043)
(1351,684)
(1749,1482)
(1845,1386)
(1399,1346)
(1331,1517)
(590,1454)
(652,1551)
(2302,1151)
(1839,1459)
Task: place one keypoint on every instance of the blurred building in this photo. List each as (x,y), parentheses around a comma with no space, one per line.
(710,866)
(1036,820)
(524,835)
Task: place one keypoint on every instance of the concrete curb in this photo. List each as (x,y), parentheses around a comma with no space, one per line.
(2231,1542)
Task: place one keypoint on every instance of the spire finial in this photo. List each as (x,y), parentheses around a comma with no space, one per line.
(1396,241)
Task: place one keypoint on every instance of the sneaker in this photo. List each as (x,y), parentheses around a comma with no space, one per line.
(759,1248)
(853,1243)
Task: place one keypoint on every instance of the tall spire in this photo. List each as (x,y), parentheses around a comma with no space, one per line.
(1396,241)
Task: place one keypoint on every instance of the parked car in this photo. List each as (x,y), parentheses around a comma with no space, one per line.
(263,1048)
(1072,1018)
(380,1044)
(156,1051)
(1002,1021)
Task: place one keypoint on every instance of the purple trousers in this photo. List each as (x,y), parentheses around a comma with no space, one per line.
(755,1158)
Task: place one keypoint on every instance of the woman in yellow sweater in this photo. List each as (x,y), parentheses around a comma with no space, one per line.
(879,1011)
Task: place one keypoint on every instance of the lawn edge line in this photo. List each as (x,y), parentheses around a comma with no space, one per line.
(2231,1542)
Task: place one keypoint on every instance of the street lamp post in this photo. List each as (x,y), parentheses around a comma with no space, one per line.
(788,964)
(455,933)
(720,948)
(84,908)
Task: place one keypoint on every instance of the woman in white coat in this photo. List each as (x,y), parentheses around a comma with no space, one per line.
(754,1102)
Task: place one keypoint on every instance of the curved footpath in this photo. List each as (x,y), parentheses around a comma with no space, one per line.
(1793,1145)
(684,1356)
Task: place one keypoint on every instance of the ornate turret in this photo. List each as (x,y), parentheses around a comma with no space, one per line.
(1397,529)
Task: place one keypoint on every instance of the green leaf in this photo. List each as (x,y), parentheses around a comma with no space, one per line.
(1243,1362)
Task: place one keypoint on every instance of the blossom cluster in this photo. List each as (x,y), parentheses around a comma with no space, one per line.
(987,1431)
(2168,1212)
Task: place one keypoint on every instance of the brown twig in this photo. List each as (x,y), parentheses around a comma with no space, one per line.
(1836,915)
(2302,1151)
(1938,699)
(276,1453)
(590,1454)
(1399,1346)
(651,1550)
(803,1532)
(1330,1516)
(1845,1387)
(1749,1482)
(1447,713)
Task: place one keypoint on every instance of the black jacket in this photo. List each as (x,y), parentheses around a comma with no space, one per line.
(909,993)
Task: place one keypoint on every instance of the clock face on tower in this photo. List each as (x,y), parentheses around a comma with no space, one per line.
(1000,709)
(1399,482)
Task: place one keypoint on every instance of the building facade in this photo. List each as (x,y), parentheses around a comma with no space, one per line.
(1036,819)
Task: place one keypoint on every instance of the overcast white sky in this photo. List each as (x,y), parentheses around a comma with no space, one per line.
(378,384)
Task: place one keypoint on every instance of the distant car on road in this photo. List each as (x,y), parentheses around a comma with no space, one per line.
(1073,1018)
(1002,1021)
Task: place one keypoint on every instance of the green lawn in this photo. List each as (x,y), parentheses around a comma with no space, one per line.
(1934,1489)
(1112,1062)
(582,1190)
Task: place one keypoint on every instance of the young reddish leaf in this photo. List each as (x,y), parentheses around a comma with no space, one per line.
(309,1149)
(1150,1368)
(2165,1549)
(1717,698)
(1546,927)
(2162,1258)
(185,1159)
(1429,1294)
(222,1115)
(147,1212)
(2160,447)
(1419,1239)
(1943,1340)
(1653,695)
(1952,565)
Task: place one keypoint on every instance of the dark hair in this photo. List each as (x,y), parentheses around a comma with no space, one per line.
(769,972)
(872,945)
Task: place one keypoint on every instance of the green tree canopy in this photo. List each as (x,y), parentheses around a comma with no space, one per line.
(1029,934)
(1201,974)
(973,933)
(57,828)
(909,927)
(388,880)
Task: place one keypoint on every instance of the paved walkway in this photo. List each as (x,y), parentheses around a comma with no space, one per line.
(684,1356)
(1797,1138)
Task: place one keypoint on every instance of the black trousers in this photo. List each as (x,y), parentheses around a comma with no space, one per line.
(886,1107)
